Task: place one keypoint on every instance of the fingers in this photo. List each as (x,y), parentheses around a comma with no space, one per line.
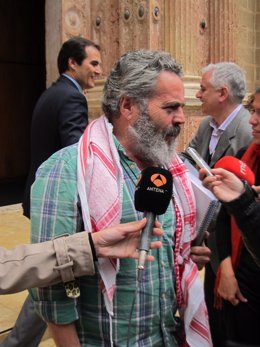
(155,244)
(136,225)
(237,299)
(210,181)
(241,297)
(200,261)
(130,227)
(157,232)
(149,257)
(234,301)
(257,189)
(157,224)
(203,173)
(139,225)
(206,235)
(200,251)
(200,255)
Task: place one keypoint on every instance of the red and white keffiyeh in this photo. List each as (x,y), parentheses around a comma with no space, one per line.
(100,188)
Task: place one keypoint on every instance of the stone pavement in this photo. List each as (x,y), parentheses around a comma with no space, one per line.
(14,229)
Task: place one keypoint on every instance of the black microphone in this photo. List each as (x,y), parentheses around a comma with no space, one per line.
(152,196)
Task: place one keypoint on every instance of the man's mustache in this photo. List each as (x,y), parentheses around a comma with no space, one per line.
(173,131)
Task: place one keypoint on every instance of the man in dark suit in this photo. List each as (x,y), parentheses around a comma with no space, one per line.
(61,113)
(222,133)
(59,119)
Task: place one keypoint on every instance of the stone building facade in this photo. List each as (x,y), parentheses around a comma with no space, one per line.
(195,32)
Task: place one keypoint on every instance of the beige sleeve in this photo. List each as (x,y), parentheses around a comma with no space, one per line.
(39,265)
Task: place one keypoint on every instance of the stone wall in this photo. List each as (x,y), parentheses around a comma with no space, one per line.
(246,41)
(195,32)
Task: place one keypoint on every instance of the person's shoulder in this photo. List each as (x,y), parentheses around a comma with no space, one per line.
(205,120)
(204,123)
(65,154)
(65,158)
(241,152)
(60,92)
(242,120)
(244,111)
(65,85)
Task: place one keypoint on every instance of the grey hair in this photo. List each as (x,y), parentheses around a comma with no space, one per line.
(230,75)
(134,75)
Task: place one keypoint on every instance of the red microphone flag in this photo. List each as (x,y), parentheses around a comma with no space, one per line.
(237,167)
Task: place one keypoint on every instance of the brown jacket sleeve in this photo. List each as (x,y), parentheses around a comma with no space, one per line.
(44,264)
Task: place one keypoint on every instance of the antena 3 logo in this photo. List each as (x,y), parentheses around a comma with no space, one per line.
(158,181)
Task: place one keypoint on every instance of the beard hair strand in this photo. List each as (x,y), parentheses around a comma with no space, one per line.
(150,141)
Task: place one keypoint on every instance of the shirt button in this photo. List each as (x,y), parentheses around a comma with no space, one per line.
(163,295)
(162,264)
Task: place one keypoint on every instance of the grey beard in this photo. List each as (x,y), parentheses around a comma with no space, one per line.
(153,145)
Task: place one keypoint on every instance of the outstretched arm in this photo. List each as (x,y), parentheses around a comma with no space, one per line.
(122,240)
(240,200)
(35,265)
(224,185)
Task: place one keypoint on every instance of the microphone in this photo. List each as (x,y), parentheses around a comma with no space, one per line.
(237,167)
(152,196)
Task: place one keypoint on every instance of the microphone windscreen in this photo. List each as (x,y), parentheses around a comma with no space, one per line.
(237,167)
(153,190)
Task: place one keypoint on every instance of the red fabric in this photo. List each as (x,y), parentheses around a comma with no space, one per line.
(251,159)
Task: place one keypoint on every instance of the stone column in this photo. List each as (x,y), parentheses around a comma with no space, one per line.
(186,38)
(96,20)
(53,38)
(187,33)
(104,30)
(64,19)
(223,30)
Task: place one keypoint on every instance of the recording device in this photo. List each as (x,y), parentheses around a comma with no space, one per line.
(232,164)
(152,196)
(199,160)
(237,167)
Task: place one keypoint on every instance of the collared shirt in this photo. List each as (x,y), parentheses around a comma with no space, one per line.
(55,211)
(218,131)
(74,82)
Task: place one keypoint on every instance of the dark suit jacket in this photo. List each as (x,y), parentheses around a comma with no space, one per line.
(59,119)
(237,135)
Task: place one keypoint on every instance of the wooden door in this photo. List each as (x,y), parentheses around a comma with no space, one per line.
(22,80)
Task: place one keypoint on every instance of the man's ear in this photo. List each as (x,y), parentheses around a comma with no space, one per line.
(126,107)
(224,93)
(72,64)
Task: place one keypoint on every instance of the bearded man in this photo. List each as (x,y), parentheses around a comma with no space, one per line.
(90,185)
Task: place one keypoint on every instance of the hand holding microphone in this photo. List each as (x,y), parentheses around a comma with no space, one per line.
(152,196)
(226,183)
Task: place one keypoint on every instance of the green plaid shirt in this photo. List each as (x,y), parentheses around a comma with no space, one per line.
(55,211)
